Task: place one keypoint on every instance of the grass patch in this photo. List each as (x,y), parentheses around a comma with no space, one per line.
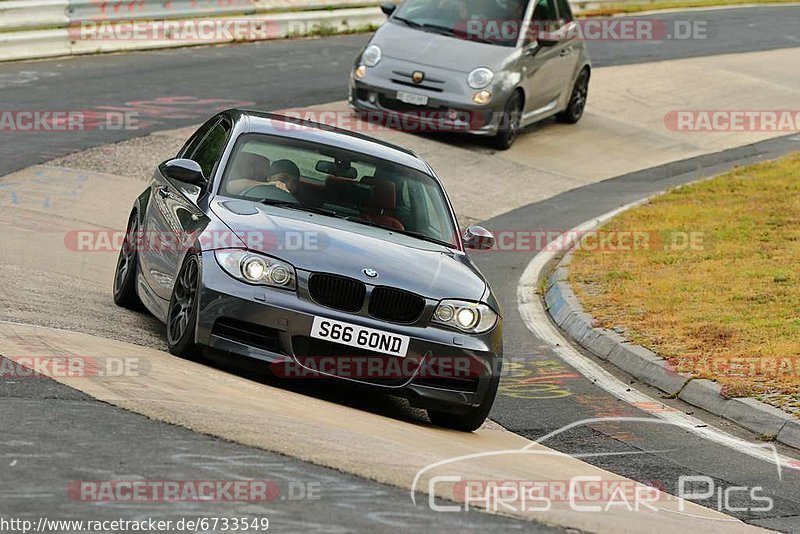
(715,289)
(635,7)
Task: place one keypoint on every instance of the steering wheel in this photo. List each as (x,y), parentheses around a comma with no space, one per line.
(268,191)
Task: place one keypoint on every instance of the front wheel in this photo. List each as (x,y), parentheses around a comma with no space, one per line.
(510,122)
(577,100)
(182,312)
(473,418)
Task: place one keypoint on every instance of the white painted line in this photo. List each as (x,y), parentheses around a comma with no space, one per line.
(533,312)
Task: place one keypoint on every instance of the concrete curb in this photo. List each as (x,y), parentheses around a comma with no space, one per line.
(647,367)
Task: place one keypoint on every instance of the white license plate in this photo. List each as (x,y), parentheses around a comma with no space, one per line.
(411,98)
(359,336)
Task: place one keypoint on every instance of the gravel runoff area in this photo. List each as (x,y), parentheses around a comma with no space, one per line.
(134,158)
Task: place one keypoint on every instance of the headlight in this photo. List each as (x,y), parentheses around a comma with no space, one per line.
(371,55)
(480,78)
(256,268)
(466,316)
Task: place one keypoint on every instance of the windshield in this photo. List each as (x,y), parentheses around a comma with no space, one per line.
(491,21)
(339,183)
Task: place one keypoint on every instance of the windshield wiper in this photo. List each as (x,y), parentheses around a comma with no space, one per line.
(444,30)
(451,32)
(300,207)
(418,235)
(407,22)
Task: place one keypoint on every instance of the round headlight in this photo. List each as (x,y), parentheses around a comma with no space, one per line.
(480,78)
(467,317)
(253,269)
(279,275)
(445,313)
(371,55)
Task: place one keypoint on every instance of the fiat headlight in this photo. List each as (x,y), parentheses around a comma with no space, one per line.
(371,55)
(257,269)
(474,317)
(480,78)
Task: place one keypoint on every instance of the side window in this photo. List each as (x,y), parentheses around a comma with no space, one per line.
(196,139)
(564,11)
(209,150)
(545,11)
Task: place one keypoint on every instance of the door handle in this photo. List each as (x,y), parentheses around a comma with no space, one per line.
(565,51)
(163,192)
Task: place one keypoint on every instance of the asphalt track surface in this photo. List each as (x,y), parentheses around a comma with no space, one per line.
(193,82)
(61,435)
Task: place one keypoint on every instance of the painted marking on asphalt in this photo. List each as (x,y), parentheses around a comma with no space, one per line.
(534,314)
(543,380)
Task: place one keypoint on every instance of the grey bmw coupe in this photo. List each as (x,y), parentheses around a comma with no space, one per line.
(321,252)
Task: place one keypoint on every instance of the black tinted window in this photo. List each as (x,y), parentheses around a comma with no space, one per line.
(564,11)
(191,145)
(208,152)
(545,10)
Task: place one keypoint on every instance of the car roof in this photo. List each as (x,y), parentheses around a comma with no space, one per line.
(296,128)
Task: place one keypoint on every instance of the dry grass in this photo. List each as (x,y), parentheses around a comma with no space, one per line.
(728,309)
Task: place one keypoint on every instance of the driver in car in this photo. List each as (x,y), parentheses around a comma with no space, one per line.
(285,175)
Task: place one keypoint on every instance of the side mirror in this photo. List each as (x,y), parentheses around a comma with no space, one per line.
(532,48)
(549,39)
(563,30)
(478,238)
(184,170)
(388,8)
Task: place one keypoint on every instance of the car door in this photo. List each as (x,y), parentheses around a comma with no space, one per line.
(173,218)
(569,46)
(545,67)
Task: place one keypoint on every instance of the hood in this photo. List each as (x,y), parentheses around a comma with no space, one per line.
(432,49)
(317,243)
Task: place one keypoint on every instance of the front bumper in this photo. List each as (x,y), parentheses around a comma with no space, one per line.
(449,109)
(274,326)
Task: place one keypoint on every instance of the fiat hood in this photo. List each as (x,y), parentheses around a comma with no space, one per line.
(432,49)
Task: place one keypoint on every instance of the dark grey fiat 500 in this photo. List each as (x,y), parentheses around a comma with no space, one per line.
(488,67)
(321,252)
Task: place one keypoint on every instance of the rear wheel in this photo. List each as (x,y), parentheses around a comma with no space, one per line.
(472,419)
(127,262)
(182,312)
(577,101)
(510,122)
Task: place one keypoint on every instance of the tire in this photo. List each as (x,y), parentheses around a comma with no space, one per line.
(577,100)
(472,419)
(509,123)
(124,289)
(182,311)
